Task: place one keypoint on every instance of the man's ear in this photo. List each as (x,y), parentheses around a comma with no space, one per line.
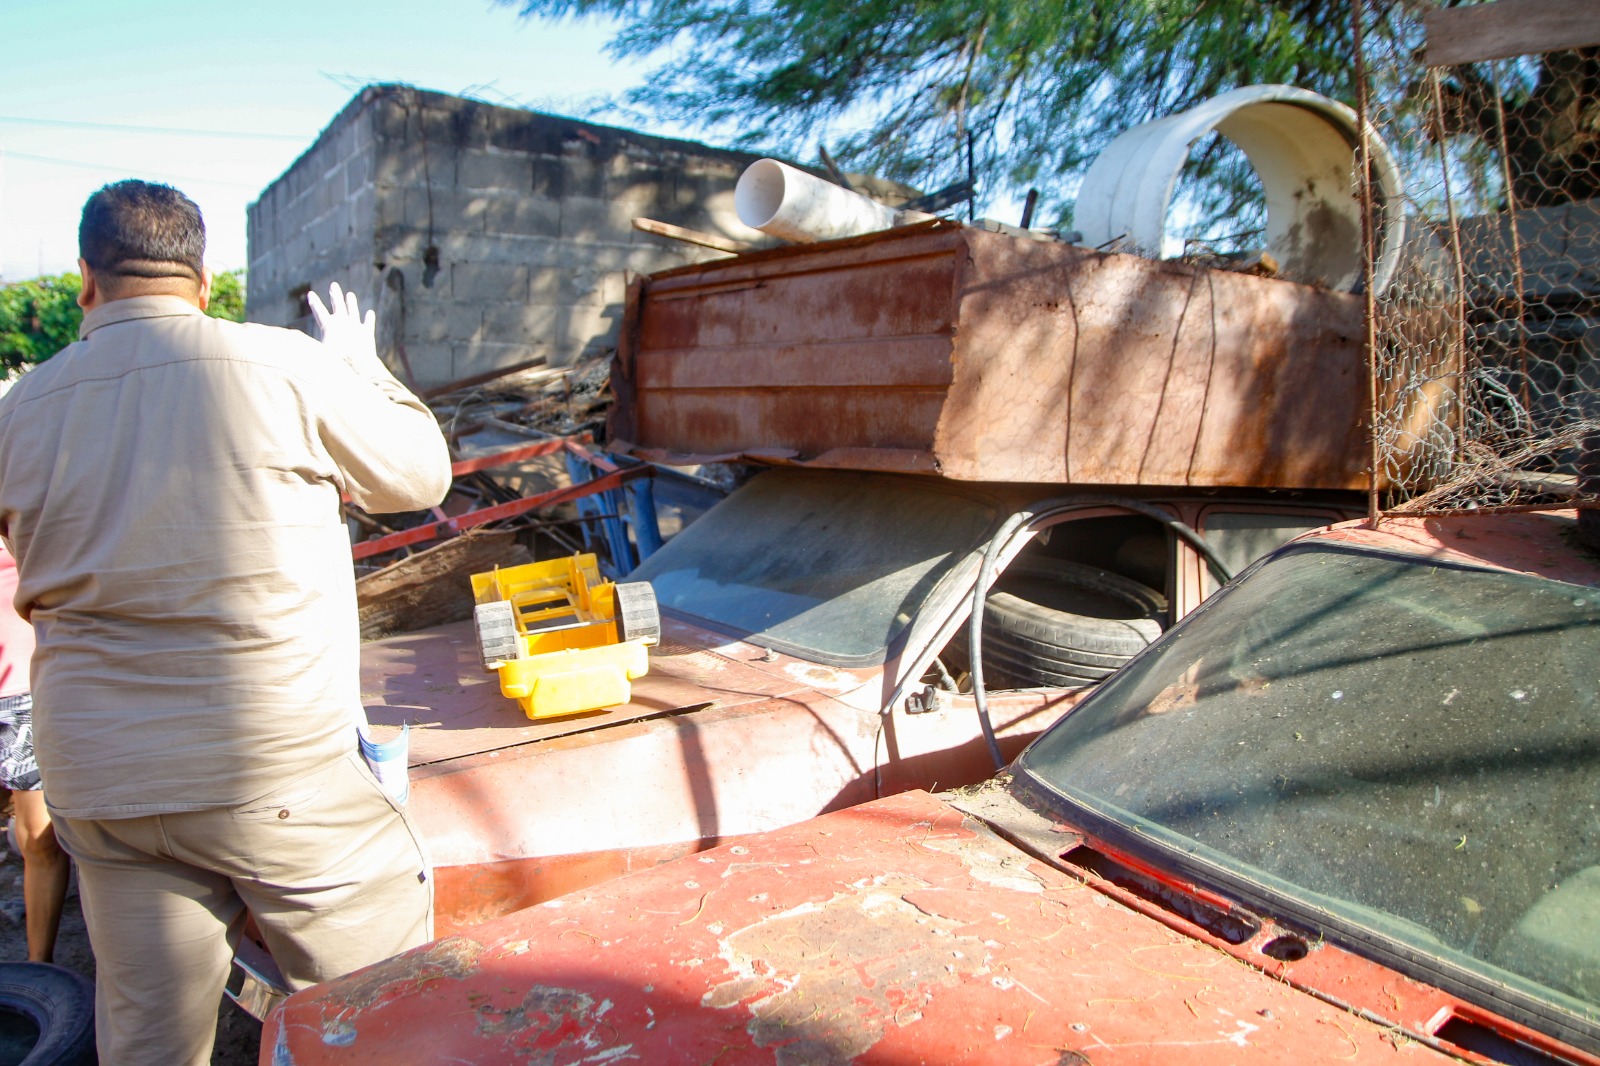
(89,294)
(204,299)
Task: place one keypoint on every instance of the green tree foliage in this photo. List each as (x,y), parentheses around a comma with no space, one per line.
(897,87)
(40,317)
(227,296)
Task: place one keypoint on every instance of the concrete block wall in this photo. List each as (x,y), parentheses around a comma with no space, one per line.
(485,236)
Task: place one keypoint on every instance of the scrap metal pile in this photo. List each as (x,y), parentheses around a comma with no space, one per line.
(527,472)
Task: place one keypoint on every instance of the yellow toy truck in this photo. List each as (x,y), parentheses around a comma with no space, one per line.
(564,640)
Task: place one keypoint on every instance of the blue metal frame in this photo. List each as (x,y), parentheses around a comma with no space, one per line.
(631,507)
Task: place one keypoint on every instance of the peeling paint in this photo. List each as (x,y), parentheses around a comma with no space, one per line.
(551,1019)
(453,958)
(1003,869)
(821,677)
(823,981)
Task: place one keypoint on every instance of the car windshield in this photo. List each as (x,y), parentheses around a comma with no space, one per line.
(830,565)
(1410,747)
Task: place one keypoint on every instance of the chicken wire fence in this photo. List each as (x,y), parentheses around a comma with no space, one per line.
(1486,345)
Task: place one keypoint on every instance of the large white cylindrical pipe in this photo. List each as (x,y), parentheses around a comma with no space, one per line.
(776,198)
(1302,146)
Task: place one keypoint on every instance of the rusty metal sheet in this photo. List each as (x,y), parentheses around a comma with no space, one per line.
(985,357)
(896,932)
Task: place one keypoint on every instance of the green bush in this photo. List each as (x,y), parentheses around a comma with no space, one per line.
(40,317)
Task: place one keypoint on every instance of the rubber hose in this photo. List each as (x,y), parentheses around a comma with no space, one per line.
(1024,518)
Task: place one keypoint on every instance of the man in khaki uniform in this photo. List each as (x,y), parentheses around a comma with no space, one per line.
(170,488)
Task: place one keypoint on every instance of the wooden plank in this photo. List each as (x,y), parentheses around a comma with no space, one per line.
(433,586)
(690,236)
(1508,28)
(491,375)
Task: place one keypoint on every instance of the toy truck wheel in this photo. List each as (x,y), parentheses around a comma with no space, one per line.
(496,624)
(638,617)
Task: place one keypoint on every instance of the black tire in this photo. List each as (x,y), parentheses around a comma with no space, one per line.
(59,1003)
(638,616)
(496,624)
(1052,623)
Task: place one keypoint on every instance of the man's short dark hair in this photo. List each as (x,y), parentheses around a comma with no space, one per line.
(144,230)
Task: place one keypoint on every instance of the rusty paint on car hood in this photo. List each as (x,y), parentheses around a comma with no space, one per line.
(900,931)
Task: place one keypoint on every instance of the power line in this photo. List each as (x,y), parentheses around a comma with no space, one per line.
(122,170)
(169,130)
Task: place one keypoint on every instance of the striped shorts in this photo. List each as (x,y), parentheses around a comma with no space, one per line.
(19,770)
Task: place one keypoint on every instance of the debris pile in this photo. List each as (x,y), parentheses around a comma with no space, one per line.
(525,451)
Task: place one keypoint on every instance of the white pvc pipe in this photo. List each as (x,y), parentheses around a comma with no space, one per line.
(1302,146)
(776,198)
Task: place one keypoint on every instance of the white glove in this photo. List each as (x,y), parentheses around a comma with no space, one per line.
(345,330)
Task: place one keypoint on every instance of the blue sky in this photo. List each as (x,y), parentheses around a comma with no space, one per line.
(277,72)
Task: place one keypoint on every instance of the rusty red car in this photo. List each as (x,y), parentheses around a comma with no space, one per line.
(1348,810)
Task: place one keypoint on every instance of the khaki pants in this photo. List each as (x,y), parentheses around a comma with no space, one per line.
(327,864)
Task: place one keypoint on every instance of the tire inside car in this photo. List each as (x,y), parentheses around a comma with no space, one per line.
(1052,623)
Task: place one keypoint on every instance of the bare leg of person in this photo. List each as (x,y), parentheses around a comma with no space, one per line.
(44,873)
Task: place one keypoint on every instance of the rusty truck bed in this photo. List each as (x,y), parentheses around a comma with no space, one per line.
(944,349)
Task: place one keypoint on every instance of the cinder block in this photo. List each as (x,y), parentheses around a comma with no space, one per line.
(516,323)
(358,170)
(327,232)
(489,282)
(614,287)
(488,169)
(522,214)
(495,248)
(452,210)
(431,363)
(583,219)
(435,320)
(720,216)
(328,193)
(549,285)
(587,325)
(406,164)
(361,210)
(574,286)
(480,357)
(454,123)
(579,174)
(521,131)
(647,190)
(388,118)
(399,244)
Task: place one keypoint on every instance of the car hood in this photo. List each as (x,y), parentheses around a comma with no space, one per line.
(899,931)
(434,682)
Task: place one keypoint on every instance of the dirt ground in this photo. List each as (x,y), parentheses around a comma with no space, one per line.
(238,1035)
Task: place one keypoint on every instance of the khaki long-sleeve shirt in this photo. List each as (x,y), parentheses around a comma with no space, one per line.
(170,487)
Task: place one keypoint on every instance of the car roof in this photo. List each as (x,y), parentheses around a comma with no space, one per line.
(1543,543)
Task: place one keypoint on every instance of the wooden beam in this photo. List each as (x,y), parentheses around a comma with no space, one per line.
(1507,28)
(690,236)
(433,586)
(485,378)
